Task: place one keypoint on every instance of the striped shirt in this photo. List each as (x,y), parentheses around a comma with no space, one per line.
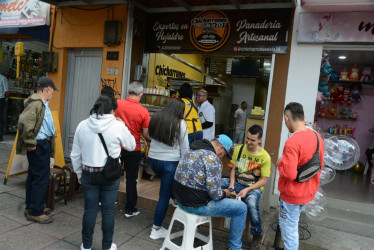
(4,87)
(48,128)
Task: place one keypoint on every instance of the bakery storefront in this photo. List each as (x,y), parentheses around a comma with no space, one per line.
(233,54)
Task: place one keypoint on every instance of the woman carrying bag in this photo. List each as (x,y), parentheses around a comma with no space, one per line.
(89,156)
(169,142)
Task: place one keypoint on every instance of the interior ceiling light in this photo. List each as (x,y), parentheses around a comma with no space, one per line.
(342,57)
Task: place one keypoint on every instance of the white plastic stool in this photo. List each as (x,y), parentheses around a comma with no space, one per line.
(190,222)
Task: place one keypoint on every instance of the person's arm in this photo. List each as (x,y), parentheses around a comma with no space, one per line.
(145,133)
(76,154)
(287,165)
(213,171)
(209,116)
(26,125)
(127,139)
(243,193)
(145,126)
(232,177)
(206,124)
(183,138)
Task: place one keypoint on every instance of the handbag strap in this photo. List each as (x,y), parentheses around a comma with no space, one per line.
(103,142)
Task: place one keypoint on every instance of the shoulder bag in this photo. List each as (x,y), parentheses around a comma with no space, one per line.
(112,168)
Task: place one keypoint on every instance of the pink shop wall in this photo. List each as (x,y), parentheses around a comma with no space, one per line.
(364,122)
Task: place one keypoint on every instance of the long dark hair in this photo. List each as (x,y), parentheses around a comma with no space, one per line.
(165,125)
(104,105)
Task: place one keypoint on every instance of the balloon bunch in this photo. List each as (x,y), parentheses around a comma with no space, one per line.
(341,153)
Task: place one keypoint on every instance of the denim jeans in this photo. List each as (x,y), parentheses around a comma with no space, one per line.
(289,223)
(131,161)
(95,189)
(226,207)
(165,170)
(198,136)
(38,177)
(252,201)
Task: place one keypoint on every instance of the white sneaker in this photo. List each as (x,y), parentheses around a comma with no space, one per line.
(158,234)
(113,247)
(82,248)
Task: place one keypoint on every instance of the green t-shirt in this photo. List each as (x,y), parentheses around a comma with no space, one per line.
(249,162)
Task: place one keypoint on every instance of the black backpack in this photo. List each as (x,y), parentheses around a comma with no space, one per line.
(311,168)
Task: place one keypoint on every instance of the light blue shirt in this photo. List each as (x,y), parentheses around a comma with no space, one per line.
(4,87)
(48,128)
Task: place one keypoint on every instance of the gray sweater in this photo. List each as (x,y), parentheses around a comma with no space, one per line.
(162,152)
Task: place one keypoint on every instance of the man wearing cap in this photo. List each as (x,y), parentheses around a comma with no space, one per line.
(196,186)
(207,114)
(249,174)
(36,138)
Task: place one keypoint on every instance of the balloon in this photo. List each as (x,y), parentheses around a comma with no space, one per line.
(315,212)
(341,152)
(327,175)
(320,198)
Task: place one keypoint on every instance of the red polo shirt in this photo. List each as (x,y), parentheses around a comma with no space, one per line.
(135,116)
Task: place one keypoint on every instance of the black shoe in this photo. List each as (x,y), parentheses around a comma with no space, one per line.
(133,213)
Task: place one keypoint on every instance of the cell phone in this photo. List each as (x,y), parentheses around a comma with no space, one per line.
(231,190)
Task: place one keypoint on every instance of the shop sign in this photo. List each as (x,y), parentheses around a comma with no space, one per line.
(23,13)
(336,27)
(221,32)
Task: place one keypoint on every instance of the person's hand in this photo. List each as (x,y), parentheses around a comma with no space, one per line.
(51,162)
(279,160)
(243,193)
(228,193)
(79,181)
(31,148)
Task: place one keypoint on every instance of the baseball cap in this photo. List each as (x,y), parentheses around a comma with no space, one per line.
(44,82)
(225,141)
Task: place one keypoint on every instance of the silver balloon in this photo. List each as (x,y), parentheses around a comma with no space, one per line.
(341,152)
(315,212)
(319,199)
(327,175)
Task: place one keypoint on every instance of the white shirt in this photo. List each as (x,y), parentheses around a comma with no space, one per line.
(163,152)
(208,113)
(87,147)
(4,87)
(241,117)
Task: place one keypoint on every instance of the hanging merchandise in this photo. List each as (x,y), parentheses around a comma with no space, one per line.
(324,77)
(366,75)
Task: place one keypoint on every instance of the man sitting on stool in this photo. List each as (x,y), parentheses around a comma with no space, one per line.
(248,177)
(196,186)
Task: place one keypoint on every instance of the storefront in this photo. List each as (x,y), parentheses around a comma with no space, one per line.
(341,44)
(26,22)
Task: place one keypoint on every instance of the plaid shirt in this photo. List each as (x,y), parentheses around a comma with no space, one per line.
(4,87)
(48,128)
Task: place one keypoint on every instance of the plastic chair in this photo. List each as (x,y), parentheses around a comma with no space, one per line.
(190,222)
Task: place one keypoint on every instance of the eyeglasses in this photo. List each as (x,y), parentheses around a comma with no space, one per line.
(200,95)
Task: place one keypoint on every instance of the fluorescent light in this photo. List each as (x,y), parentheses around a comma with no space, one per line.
(342,57)
(266,64)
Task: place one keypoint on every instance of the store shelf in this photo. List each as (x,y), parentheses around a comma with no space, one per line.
(350,82)
(337,118)
(157,95)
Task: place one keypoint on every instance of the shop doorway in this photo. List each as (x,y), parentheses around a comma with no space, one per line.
(82,89)
(344,106)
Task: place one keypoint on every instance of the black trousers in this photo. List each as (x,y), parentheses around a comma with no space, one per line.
(131,161)
(2,120)
(38,177)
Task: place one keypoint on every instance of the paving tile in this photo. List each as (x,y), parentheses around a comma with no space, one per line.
(16,214)
(20,193)
(7,225)
(134,225)
(62,226)
(61,245)
(138,244)
(118,237)
(79,211)
(25,238)
(8,200)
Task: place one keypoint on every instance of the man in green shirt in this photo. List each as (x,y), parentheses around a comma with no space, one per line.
(249,174)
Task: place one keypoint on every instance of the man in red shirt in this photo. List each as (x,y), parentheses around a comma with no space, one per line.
(298,150)
(136,118)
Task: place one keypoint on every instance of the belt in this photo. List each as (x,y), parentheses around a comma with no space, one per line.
(92,169)
(46,139)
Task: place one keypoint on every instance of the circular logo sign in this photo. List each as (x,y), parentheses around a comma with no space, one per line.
(209,30)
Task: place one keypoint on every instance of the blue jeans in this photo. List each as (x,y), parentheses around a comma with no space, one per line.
(252,201)
(165,170)
(38,177)
(289,223)
(226,207)
(198,136)
(95,189)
